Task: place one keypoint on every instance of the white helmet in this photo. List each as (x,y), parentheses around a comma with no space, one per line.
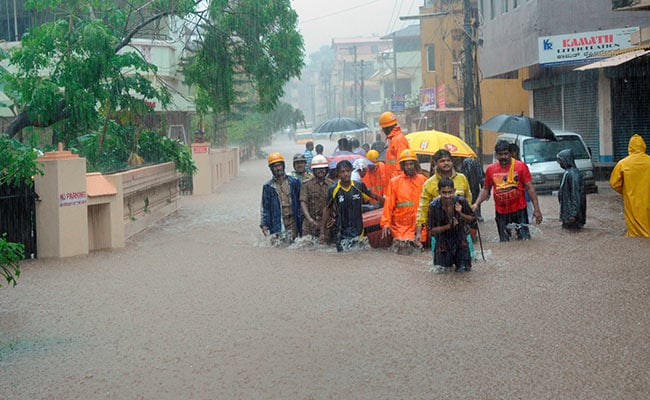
(319,161)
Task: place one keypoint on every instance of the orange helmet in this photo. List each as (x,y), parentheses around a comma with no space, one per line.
(372,155)
(275,157)
(387,119)
(407,155)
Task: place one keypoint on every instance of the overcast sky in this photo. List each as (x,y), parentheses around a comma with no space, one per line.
(321,21)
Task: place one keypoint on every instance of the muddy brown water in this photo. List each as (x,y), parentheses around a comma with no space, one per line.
(200,307)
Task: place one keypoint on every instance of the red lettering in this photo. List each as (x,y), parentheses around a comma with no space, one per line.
(588,40)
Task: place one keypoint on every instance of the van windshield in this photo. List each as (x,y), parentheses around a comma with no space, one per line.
(539,150)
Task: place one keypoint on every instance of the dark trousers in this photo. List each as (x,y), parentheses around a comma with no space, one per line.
(507,222)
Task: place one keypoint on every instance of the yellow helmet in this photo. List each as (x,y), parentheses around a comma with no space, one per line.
(372,155)
(407,155)
(387,119)
(275,157)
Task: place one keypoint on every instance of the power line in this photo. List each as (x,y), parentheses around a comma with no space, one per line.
(339,12)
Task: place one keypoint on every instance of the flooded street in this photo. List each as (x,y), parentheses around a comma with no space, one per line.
(201,307)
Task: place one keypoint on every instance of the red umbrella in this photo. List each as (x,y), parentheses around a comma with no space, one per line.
(333,160)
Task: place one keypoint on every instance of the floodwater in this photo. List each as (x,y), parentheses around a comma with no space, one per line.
(202,306)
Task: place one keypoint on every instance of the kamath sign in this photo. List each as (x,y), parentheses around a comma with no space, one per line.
(584,46)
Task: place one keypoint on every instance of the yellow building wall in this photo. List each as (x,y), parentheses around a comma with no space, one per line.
(499,96)
(446,36)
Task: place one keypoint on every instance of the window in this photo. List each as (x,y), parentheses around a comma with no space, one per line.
(492,9)
(505,7)
(431,58)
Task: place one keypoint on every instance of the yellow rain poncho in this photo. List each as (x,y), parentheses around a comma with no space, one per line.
(631,178)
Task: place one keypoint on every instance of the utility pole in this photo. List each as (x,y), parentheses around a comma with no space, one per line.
(363,107)
(354,90)
(471,90)
(342,110)
(394,66)
(472,108)
(468,75)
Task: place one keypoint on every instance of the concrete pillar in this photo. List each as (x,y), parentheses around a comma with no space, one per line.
(61,212)
(202,179)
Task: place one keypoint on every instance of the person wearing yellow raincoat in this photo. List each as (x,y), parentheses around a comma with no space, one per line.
(401,204)
(631,178)
(444,169)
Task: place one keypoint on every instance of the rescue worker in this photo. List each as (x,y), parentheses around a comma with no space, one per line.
(444,168)
(375,178)
(300,168)
(313,198)
(571,195)
(401,204)
(631,178)
(344,201)
(280,210)
(395,142)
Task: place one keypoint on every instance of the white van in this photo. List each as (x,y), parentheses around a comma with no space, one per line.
(541,157)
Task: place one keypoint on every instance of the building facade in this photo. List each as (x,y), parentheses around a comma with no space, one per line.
(554,45)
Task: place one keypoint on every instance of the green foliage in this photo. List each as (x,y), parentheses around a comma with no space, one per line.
(155,148)
(285,115)
(246,39)
(252,131)
(10,256)
(17,161)
(119,142)
(72,76)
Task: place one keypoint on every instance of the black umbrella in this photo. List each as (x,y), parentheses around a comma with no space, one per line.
(519,125)
(340,125)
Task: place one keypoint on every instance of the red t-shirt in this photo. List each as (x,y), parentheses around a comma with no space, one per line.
(509,196)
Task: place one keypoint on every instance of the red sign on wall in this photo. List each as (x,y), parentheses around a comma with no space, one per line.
(199,149)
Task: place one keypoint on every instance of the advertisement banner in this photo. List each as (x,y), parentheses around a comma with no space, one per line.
(442,101)
(427,99)
(582,47)
(397,103)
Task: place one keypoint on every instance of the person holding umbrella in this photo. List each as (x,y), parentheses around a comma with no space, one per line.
(511,179)
(395,142)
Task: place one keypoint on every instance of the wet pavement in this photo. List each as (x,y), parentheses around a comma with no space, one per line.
(200,306)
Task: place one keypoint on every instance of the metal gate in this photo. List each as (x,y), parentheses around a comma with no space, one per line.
(630,99)
(18,215)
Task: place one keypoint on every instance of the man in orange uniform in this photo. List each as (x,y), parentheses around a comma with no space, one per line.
(375,177)
(401,204)
(395,142)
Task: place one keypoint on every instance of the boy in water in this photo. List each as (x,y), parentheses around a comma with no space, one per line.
(448,222)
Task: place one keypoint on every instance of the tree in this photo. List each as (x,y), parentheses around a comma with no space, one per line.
(72,73)
(244,46)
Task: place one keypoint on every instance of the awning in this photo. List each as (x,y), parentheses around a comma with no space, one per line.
(614,61)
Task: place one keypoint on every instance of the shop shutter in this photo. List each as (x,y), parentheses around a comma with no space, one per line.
(581,113)
(546,106)
(630,113)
